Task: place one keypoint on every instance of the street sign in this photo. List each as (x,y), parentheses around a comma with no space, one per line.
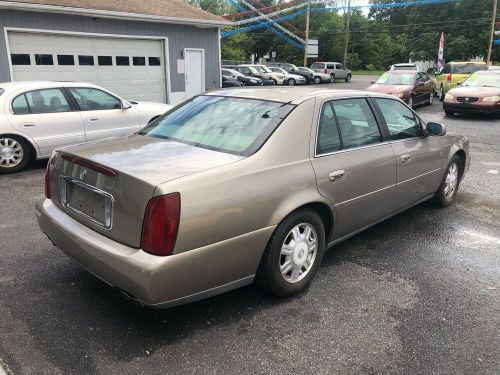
(273,54)
(312,48)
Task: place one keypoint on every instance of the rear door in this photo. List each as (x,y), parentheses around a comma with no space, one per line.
(354,167)
(48,117)
(419,158)
(102,113)
(421,91)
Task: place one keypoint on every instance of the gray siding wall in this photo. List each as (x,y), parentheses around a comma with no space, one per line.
(179,37)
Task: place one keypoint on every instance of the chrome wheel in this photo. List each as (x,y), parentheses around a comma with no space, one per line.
(298,252)
(450,184)
(317,80)
(291,82)
(11,153)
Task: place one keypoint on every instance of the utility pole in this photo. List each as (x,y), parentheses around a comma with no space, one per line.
(347,31)
(490,47)
(307,30)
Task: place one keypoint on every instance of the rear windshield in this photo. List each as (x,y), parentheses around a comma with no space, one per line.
(232,125)
(317,66)
(404,67)
(467,68)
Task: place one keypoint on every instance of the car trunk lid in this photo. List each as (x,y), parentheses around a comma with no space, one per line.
(107,185)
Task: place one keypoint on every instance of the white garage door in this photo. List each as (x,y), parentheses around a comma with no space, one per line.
(132,68)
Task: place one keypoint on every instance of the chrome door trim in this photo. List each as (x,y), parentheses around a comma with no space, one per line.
(420,175)
(366,195)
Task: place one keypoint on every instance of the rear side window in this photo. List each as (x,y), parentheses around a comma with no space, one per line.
(40,101)
(467,68)
(328,132)
(356,122)
(400,120)
(232,125)
(330,66)
(317,66)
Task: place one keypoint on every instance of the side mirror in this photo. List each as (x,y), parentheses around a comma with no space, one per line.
(459,83)
(435,128)
(126,105)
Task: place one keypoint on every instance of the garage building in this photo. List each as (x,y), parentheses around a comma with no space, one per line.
(155,50)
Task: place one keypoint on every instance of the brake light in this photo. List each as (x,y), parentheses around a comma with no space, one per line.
(326,71)
(161,224)
(48,194)
(448,77)
(90,164)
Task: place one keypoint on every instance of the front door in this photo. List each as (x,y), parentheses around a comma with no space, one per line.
(354,168)
(194,72)
(48,118)
(418,157)
(103,114)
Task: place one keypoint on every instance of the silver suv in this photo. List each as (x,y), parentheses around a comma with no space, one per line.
(335,69)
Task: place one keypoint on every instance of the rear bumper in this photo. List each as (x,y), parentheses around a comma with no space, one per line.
(480,107)
(154,281)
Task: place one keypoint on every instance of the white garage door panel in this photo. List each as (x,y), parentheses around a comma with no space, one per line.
(146,83)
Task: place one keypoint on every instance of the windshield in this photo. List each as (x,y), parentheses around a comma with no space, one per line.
(252,69)
(467,68)
(404,67)
(483,80)
(264,69)
(232,125)
(389,78)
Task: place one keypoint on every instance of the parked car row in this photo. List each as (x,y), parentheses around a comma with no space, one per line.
(279,73)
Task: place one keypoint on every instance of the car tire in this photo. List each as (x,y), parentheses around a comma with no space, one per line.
(293,254)
(448,188)
(291,82)
(245,83)
(317,80)
(333,77)
(15,153)
(448,113)
(275,82)
(431,98)
(441,94)
(348,78)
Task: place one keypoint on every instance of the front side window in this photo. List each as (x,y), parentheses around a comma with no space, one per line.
(468,68)
(400,120)
(40,101)
(232,125)
(91,99)
(356,122)
(330,66)
(328,132)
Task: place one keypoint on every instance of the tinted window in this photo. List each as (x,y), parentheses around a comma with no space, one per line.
(328,133)
(356,122)
(139,61)
(400,120)
(446,69)
(154,61)
(233,125)
(317,66)
(20,105)
(122,60)
(467,68)
(90,99)
(66,59)
(44,59)
(20,59)
(47,101)
(86,60)
(105,60)
(330,66)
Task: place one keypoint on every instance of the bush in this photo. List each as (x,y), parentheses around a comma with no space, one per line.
(370,67)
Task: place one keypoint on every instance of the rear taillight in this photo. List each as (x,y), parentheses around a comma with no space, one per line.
(326,71)
(448,77)
(48,194)
(161,223)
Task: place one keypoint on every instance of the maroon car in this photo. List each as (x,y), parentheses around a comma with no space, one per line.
(413,87)
(480,93)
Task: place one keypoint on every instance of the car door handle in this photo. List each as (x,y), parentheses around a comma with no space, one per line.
(93,119)
(28,125)
(405,159)
(337,175)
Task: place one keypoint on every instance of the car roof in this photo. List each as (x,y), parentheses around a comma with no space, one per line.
(34,85)
(467,62)
(294,95)
(406,71)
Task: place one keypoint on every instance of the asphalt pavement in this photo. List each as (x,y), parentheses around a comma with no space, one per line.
(416,294)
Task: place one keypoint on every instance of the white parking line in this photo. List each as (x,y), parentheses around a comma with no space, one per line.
(493,171)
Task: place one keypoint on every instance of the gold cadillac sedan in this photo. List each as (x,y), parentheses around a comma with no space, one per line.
(244,185)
